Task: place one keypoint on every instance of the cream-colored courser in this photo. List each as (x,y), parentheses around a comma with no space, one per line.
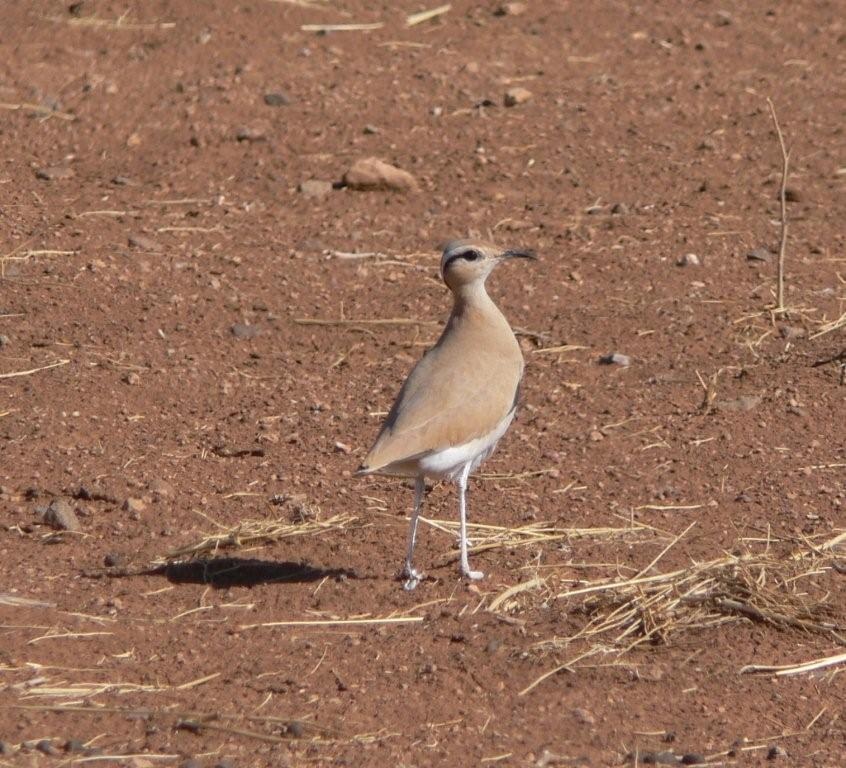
(460,398)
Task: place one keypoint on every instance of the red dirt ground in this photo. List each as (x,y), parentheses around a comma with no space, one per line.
(171,216)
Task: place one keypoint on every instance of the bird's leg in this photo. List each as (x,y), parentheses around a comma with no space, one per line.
(467,496)
(412,577)
(462,507)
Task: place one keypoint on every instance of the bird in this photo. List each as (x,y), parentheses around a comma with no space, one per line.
(459,399)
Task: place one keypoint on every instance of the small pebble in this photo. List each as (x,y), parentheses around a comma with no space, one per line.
(659,758)
(510,9)
(74,745)
(775,752)
(584,716)
(59,515)
(615,358)
(791,332)
(370,130)
(688,260)
(515,96)
(371,174)
(46,747)
(5,749)
(4,341)
(760,254)
(131,378)
(161,489)
(691,758)
(619,209)
(55,173)
(276,99)
(315,189)
(135,507)
(791,195)
(244,331)
(250,134)
(143,243)
(114,559)
(296,729)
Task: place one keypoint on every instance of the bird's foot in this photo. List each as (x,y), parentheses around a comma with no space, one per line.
(466,573)
(412,578)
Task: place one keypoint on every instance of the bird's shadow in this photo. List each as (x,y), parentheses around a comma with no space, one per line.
(224,572)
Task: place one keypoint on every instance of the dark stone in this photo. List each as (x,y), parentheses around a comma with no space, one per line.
(276,99)
(760,254)
(46,747)
(59,515)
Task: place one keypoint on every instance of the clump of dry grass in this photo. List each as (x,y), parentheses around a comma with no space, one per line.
(249,534)
(486,537)
(762,586)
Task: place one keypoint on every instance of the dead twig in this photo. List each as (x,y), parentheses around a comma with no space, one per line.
(39,109)
(15,374)
(785,159)
(323,28)
(797,669)
(418,18)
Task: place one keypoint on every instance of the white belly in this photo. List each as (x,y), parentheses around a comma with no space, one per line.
(449,462)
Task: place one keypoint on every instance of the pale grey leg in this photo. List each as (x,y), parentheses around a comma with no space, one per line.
(462,506)
(411,575)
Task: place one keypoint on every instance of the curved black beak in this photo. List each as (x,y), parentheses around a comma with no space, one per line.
(519,253)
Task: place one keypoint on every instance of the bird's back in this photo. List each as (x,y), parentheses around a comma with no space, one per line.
(461,390)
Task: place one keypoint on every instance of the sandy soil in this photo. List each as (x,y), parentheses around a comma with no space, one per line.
(160,251)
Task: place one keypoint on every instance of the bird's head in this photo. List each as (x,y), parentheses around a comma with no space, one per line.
(468,262)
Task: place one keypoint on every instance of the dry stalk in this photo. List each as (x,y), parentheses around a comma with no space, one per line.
(252,533)
(488,537)
(418,18)
(40,110)
(323,28)
(15,374)
(785,160)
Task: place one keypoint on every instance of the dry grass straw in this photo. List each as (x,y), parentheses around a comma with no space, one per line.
(30,371)
(39,110)
(782,670)
(762,586)
(277,730)
(487,537)
(118,23)
(829,327)
(253,533)
(418,18)
(782,196)
(324,28)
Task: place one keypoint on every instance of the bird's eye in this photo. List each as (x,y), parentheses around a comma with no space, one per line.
(470,255)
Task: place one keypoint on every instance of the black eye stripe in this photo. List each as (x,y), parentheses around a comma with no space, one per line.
(469,255)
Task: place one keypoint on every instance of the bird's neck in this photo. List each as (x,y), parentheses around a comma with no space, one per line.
(472,297)
(473,305)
